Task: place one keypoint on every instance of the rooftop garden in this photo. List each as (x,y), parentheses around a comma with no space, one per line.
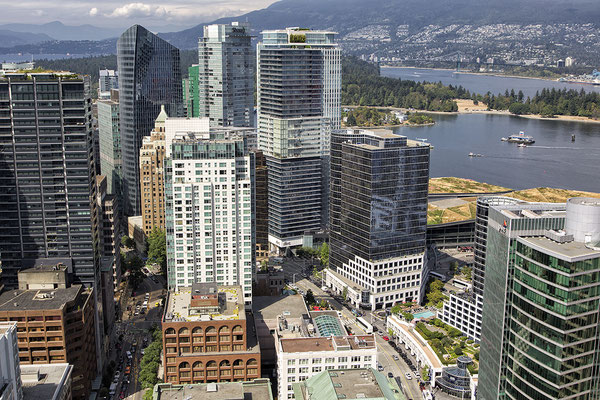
(448,343)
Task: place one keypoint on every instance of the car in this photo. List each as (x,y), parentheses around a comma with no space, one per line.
(380,333)
(390,375)
(408,376)
(395,357)
(417,374)
(386,338)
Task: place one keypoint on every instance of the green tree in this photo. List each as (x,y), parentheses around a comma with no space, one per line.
(157,248)
(128,242)
(310,297)
(408,316)
(458,351)
(345,293)
(147,395)
(324,254)
(396,309)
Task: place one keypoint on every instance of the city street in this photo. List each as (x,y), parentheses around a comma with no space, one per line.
(294,270)
(134,329)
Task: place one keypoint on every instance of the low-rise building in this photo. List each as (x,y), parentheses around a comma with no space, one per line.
(349,384)
(208,336)
(316,342)
(135,227)
(405,335)
(257,389)
(55,322)
(47,381)
(269,282)
(10,379)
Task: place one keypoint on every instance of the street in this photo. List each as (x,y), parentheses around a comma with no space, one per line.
(294,271)
(134,327)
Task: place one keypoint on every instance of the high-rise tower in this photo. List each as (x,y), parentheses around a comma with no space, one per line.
(225,82)
(299,92)
(149,76)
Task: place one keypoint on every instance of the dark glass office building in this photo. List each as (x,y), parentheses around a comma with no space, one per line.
(47,176)
(149,76)
(378,213)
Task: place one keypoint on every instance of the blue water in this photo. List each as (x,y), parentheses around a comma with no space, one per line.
(424,314)
(482,83)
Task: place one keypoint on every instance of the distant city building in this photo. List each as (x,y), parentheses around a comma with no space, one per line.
(256,389)
(208,336)
(149,76)
(378,217)
(569,61)
(56,323)
(294,124)
(209,203)
(110,144)
(350,384)
(262,205)
(541,309)
(10,377)
(560,63)
(463,310)
(316,342)
(152,156)
(108,80)
(225,76)
(191,93)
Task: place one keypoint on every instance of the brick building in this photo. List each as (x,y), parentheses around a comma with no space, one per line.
(208,336)
(55,323)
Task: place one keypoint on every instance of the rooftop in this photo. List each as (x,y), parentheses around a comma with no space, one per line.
(568,251)
(43,381)
(230,304)
(364,383)
(259,389)
(19,300)
(270,307)
(308,344)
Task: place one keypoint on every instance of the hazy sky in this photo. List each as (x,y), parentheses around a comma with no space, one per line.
(154,14)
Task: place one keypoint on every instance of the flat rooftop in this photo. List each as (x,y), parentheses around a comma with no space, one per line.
(270,307)
(311,344)
(50,380)
(355,383)
(569,251)
(231,304)
(259,389)
(54,299)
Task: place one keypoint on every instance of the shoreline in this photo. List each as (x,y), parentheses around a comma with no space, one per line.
(472,73)
(558,118)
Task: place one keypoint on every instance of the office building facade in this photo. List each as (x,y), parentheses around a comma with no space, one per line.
(110,144)
(108,80)
(149,76)
(209,203)
(47,184)
(540,299)
(152,156)
(378,215)
(298,92)
(225,76)
(463,310)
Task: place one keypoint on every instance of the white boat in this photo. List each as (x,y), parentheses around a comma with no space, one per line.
(521,145)
(504,139)
(471,154)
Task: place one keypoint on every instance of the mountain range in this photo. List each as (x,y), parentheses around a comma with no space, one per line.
(31,33)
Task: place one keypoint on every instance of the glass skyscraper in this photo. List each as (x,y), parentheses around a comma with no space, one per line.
(48,211)
(298,91)
(149,76)
(110,145)
(541,307)
(378,214)
(225,80)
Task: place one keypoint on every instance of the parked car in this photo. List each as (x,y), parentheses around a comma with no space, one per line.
(395,357)
(408,376)
(390,375)
(386,338)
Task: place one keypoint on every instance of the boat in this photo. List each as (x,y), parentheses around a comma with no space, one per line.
(572,137)
(471,154)
(520,138)
(504,139)
(522,145)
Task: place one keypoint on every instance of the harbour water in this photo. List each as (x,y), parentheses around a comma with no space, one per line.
(481,84)
(552,161)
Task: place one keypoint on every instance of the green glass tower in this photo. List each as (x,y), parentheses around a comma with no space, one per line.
(541,307)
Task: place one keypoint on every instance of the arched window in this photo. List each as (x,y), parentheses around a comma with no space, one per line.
(211,364)
(237,329)
(184,331)
(252,361)
(225,364)
(238,363)
(184,364)
(169,331)
(198,365)
(211,329)
(223,329)
(197,330)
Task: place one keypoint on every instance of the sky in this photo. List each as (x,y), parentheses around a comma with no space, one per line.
(165,15)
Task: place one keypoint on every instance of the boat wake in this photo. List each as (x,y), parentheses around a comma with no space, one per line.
(560,147)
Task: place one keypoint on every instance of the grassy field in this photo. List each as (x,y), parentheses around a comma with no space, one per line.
(464,212)
(460,185)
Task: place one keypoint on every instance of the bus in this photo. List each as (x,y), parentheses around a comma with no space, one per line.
(367,327)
